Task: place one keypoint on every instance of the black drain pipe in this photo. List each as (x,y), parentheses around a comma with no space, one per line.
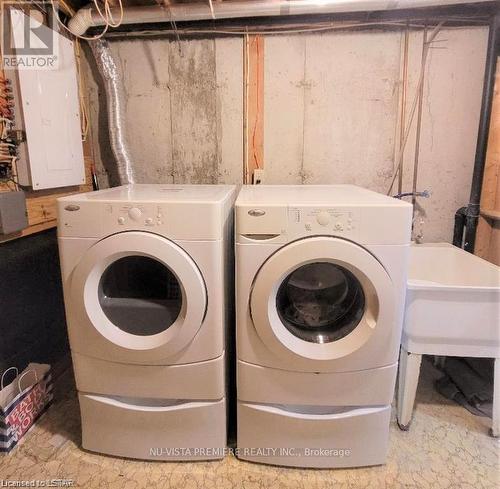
(471,213)
(458,230)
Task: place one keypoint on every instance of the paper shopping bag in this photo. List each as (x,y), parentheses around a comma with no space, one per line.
(22,402)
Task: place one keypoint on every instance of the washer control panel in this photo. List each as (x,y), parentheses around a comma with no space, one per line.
(303,221)
(120,216)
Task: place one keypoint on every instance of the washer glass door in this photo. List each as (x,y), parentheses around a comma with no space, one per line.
(320,302)
(320,298)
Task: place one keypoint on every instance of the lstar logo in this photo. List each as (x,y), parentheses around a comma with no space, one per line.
(27,42)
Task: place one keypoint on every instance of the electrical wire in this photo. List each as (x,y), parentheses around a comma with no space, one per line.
(246,57)
(330,26)
(11,179)
(85,123)
(404,89)
(257,103)
(8,153)
(419,88)
(109,14)
(212,12)
(69,10)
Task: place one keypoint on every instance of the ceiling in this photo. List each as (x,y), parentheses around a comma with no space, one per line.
(474,9)
(80,3)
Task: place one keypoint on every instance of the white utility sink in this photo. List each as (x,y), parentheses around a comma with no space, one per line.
(452,301)
(452,309)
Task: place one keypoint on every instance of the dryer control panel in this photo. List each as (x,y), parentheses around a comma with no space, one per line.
(303,221)
(132,216)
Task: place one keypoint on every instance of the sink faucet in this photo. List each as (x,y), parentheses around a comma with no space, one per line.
(425,194)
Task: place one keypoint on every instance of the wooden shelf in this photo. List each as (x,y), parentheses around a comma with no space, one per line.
(41,205)
(491,214)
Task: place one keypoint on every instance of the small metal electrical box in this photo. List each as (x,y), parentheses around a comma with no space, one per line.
(13,214)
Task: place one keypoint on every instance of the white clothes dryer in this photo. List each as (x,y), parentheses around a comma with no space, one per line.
(146,275)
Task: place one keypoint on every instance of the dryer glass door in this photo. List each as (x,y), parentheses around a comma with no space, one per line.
(137,291)
(320,298)
(140,295)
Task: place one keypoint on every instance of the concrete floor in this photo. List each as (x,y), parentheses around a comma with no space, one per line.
(446,447)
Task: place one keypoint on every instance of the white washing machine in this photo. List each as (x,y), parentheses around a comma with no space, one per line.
(146,271)
(320,287)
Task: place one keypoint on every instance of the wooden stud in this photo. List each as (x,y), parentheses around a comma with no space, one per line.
(253,110)
(488,231)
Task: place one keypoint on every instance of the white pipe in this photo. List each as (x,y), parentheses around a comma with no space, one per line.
(88,17)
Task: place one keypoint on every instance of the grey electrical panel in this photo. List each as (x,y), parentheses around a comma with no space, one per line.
(13,214)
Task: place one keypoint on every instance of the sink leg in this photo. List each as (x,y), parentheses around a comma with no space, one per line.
(495,425)
(409,371)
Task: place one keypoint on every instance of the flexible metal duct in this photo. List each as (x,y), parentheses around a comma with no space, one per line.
(88,16)
(112,77)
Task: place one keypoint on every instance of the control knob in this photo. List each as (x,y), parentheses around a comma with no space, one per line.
(134,213)
(323,218)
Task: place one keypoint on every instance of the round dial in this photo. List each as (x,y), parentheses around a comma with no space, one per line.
(135,213)
(323,218)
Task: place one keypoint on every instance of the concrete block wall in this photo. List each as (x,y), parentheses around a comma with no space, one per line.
(331,112)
